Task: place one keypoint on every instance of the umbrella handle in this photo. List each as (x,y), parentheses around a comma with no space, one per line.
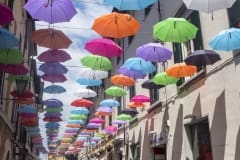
(47,4)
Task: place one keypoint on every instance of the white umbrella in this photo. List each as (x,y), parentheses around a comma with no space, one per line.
(85,93)
(92,74)
(208,5)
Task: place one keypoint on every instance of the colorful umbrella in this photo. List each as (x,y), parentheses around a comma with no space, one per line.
(179,70)
(110,103)
(130,4)
(115,91)
(52,119)
(97,62)
(92,74)
(52,114)
(163,79)
(51,11)
(103,47)
(79,122)
(21,101)
(99,113)
(136,105)
(104,109)
(51,38)
(54,89)
(53,102)
(94,125)
(73,125)
(174,30)
(97,120)
(26,94)
(7,39)
(15,69)
(140,99)
(10,56)
(129,111)
(77,117)
(82,103)
(54,78)
(27,109)
(149,84)
(6,14)
(80,110)
(202,58)
(53,68)
(54,55)
(122,80)
(118,122)
(53,109)
(124,117)
(14,78)
(89,82)
(226,40)
(154,52)
(85,93)
(110,129)
(52,124)
(131,73)
(116,25)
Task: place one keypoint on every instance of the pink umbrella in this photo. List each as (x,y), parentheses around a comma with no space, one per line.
(110,129)
(54,55)
(97,120)
(15,69)
(6,14)
(54,78)
(103,47)
(140,99)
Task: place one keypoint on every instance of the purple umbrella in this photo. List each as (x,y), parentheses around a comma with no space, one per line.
(53,68)
(51,11)
(15,69)
(154,52)
(93,125)
(54,55)
(54,78)
(104,109)
(6,14)
(131,73)
(53,102)
(97,120)
(118,122)
(54,89)
(52,114)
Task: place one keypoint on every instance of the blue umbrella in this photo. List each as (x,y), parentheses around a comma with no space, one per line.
(118,122)
(226,40)
(27,109)
(50,124)
(53,68)
(130,4)
(54,89)
(7,39)
(139,64)
(75,122)
(80,110)
(54,114)
(110,103)
(89,82)
(53,102)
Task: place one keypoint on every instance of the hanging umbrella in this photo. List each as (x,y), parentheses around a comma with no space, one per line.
(54,78)
(179,70)
(110,129)
(116,25)
(52,114)
(131,73)
(103,47)
(15,69)
(73,125)
(118,122)
(115,91)
(174,30)
(77,117)
(140,98)
(52,119)
(10,56)
(97,120)
(122,80)
(99,113)
(50,124)
(109,103)
(82,103)
(6,14)
(94,125)
(124,117)
(85,93)
(104,109)
(136,105)
(54,55)
(26,94)
(53,102)
(208,5)
(51,11)
(96,62)
(54,89)
(129,111)
(226,40)
(51,38)
(163,79)
(27,109)
(80,110)
(149,84)
(89,82)
(202,58)
(51,109)
(14,78)
(79,122)
(53,68)
(92,74)
(130,4)
(154,52)
(21,101)
(139,64)
(7,39)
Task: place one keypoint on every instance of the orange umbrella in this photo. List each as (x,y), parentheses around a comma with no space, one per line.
(103,114)
(73,126)
(82,103)
(24,101)
(122,80)
(51,38)
(116,25)
(136,105)
(179,70)
(89,130)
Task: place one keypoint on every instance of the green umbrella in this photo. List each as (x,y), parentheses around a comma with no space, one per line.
(96,62)
(174,30)
(115,91)
(49,109)
(10,56)
(124,117)
(77,117)
(13,78)
(164,79)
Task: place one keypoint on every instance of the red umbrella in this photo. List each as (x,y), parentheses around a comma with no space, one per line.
(54,78)
(15,69)
(26,94)
(54,55)
(6,14)
(52,119)
(82,103)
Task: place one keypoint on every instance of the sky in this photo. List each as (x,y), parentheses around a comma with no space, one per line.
(79,31)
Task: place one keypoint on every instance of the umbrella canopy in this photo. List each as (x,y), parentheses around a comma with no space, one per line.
(73,125)
(110,103)
(85,93)
(130,111)
(174,30)
(27,109)
(14,78)
(6,14)
(140,99)
(97,62)
(149,84)
(52,114)
(124,117)
(201,58)
(104,109)
(53,68)
(77,117)
(136,104)
(154,52)
(122,80)
(52,119)
(115,91)
(89,73)
(51,11)
(208,5)
(103,47)
(51,124)
(54,89)
(10,56)
(51,38)
(82,103)
(26,94)
(93,125)
(53,109)
(97,120)
(79,122)
(89,82)
(226,40)
(110,129)
(54,55)
(53,102)
(163,79)
(54,78)
(116,25)
(80,110)
(7,39)
(130,4)
(100,113)
(15,69)
(179,70)
(118,122)
(139,64)
(131,73)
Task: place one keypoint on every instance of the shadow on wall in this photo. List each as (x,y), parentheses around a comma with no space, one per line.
(197,110)
(178,136)
(146,147)
(237,150)
(219,128)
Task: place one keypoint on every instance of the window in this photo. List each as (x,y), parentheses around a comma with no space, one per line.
(135,150)
(132,91)
(153,93)
(234,18)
